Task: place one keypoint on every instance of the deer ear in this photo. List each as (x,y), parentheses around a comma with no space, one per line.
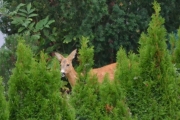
(58,56)
(72,55)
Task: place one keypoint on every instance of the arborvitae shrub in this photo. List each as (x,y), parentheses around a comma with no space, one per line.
(92,100)
(127,75)
(4,112)
(127,69)
(34,88)
(112,102)
(156,90)
(84,93)
(177,50)
(85,100)
(85,57)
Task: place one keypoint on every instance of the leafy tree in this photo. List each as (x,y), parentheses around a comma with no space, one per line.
(3,9)
(34,87)
(157,89)
(105,23)
(74,19)
(33,32)
(108,23)
(4,112)
(8,59)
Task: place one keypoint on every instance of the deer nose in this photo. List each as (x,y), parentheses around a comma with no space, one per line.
(62,73)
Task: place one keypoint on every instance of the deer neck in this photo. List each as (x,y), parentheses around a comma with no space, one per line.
(72,76)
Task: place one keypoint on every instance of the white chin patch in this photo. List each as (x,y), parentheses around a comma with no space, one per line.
(62,73)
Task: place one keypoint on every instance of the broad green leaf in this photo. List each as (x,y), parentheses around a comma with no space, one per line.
(68,38)
(27,32)
(22,14)
(18,20)
(39,25)
(31,26)
(47,26)
(32,10)
(33,15)
(36,36)
(22,10)
(13,13)
(20,5)
(15,22)
(45,20)
(26,23)
(29,19)
(21,29)
(28,8)
(51,21)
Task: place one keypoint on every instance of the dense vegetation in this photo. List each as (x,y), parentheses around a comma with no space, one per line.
(108,23)
(146,84)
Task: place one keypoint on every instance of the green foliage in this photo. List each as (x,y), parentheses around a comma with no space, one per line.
(85,56)
(4,113)
(99,101)
(84,99)
(85,59)
(24,18)
(35,32)
(157,90)
(114,108)
(67,110)
(172,45)
(146,86)
(176,48)
(34,87)
(127,74)
(84,93)
(108,24)
(104,22)
(85,15)
(8,58)
(126,64)
(3,7)
(92,100)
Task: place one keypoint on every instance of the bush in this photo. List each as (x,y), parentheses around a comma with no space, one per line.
(157,89)
(4,112)
(34,87)
(93,100)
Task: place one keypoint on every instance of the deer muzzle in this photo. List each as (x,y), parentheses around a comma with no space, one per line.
(63,73)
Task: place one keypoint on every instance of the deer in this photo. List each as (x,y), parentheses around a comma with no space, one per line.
(68,71)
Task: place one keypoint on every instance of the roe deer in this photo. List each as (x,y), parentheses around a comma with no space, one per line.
(67,69)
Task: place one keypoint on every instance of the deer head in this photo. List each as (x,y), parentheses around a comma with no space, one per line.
(67,68)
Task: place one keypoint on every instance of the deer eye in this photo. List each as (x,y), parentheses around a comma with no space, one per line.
(67,64)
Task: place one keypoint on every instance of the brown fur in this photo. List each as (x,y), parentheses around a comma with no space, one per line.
(102,71)
(70,73)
